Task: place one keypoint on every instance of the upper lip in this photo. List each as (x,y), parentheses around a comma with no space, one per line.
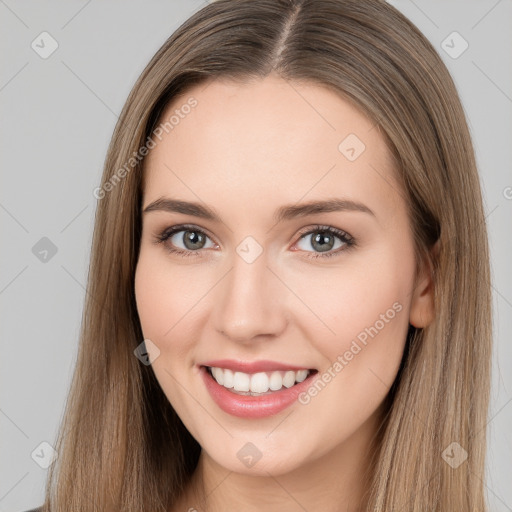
(252,366)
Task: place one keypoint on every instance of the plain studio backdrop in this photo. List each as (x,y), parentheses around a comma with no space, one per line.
(67,68)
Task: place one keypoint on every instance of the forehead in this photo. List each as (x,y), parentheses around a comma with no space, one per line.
(267,137)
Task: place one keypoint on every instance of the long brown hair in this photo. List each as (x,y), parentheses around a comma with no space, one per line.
(121,445)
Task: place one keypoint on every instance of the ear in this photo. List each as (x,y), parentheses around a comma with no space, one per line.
(422,310)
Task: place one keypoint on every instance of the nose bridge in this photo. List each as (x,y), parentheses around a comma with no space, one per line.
(249,303)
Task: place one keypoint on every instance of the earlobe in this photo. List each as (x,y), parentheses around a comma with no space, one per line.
(422,310)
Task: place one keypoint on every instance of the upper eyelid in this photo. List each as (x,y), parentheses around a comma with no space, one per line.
(319,227)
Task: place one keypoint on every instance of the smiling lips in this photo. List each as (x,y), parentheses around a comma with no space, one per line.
(254,389)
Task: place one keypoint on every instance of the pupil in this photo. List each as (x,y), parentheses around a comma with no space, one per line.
(325,242)
(193,240)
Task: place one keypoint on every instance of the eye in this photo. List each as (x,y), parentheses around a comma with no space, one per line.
(324,240)
(188,240)
(191,238)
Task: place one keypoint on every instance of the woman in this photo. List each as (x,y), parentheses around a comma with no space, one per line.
(289,297)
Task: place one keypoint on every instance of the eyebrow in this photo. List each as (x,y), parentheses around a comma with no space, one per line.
(283,213)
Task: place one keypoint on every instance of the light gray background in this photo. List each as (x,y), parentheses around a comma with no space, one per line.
(57,118)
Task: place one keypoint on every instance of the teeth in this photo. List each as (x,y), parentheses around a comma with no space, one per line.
(219,375)
(289,379)
(257,383)
(276,381)
(227,382)
(301,375)
(241,381)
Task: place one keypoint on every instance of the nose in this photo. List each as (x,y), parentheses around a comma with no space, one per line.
(251,302)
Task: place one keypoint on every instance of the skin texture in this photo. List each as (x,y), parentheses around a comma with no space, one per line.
(246,150)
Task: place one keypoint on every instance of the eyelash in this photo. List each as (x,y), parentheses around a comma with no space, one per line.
(347,239)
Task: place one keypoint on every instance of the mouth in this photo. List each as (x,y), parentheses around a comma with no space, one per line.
(255,389)
(259,383)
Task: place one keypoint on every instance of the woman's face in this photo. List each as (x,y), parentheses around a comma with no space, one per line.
(265,286)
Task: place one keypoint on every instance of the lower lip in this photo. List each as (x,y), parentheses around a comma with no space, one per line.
(245,406)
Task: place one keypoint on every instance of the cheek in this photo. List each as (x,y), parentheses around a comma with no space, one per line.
(150,298)
(165,307)
(159,308)
(366,305)
(366,301)
(367,292)
(165,298)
